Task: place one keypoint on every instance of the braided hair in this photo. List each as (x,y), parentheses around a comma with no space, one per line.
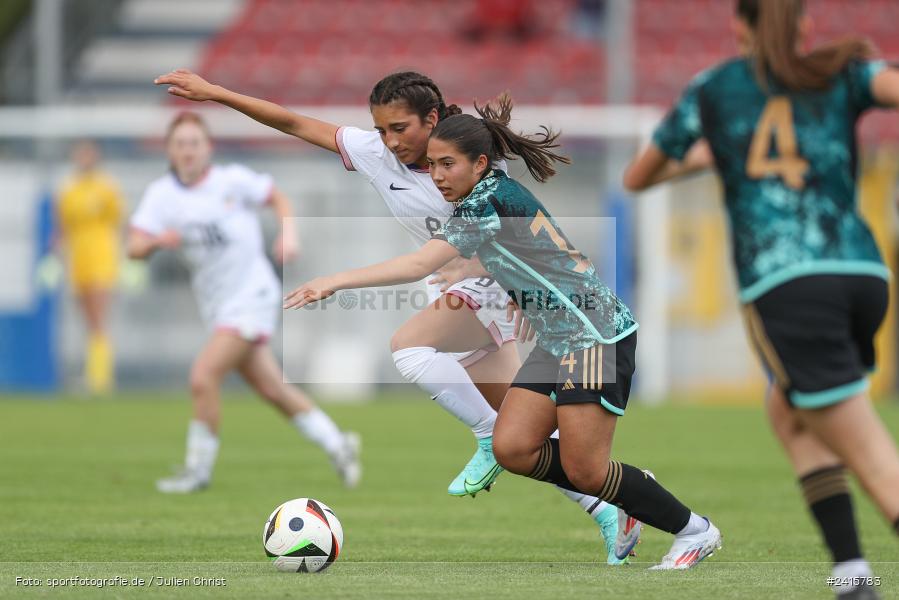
(419,93)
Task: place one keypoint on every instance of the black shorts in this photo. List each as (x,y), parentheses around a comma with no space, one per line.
(815,335)
(601,374)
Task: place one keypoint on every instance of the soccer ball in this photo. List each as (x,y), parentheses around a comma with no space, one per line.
(302,536)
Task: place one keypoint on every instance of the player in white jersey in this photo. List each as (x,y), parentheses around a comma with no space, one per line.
(414,201)
(463,335)
(210,213)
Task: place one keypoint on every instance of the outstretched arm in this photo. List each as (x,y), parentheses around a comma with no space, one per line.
(403,269)
(885,87)
(185,84)
(652,166)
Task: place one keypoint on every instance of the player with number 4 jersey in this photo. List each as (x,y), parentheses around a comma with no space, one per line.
(780,125)
(789,170)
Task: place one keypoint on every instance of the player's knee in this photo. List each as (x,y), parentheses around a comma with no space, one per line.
(507,457)
(400,341)
(586,474)
(413,361)
(409,337)
(586,481)
(201,382)
(510,453)
(500,450)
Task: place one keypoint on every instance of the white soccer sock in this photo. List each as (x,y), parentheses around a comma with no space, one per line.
(319,429)
(202,449)
(591,504)
(696,524)
(444,379)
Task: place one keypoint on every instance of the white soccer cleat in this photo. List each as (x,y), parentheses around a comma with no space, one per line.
(688,550)
(629,530)
(346,460)
(628,535)
(184,481)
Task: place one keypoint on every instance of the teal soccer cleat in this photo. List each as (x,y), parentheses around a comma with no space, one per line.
(480,472)
(620,532)
(607,520)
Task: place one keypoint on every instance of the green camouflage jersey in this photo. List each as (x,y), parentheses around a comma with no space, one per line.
(521,246)
(788,161)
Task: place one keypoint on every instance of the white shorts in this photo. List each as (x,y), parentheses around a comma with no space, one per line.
(254,320)
(488,299)
(252,327)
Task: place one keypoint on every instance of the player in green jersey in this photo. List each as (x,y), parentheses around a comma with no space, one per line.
(578,377)
(780,125)
(462,335)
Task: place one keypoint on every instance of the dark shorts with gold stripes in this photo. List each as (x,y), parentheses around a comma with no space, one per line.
(601,374)
(815,335)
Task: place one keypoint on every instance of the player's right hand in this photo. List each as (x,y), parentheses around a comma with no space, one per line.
(311,291)
(451,273)
(523,330)
(186,84)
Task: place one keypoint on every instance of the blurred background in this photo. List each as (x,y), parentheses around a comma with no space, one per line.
(602,71)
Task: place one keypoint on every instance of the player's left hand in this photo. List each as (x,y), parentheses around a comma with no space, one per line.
(285,248)
(311,291)
(456,270)
(186,84)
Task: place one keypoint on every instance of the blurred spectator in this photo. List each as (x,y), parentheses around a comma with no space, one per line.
(90,210)
(501,19)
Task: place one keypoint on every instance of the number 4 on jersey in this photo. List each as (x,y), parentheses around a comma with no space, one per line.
(777,118)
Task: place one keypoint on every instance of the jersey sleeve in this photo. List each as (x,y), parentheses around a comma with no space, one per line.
(473,224)
(681,127)
(254,188)
(150,216)
(361,150)
(861,78)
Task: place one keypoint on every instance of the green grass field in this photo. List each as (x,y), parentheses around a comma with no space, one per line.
(77,500)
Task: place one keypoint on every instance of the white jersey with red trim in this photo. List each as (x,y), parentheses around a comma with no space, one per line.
(421,209)
(221,239)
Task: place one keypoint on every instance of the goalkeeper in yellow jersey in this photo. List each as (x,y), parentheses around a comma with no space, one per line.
(90,213)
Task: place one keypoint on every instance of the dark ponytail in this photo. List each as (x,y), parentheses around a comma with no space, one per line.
(490,135)
(420,94)
(775,24)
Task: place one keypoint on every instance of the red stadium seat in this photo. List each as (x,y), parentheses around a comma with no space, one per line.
(322,55)
(309,53)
